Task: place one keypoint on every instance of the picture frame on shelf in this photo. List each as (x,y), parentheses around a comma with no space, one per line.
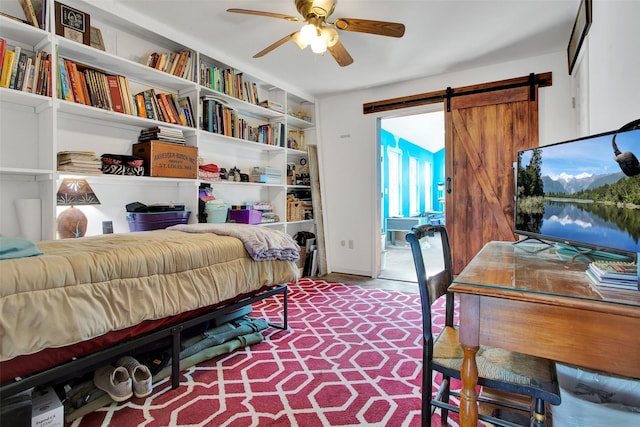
(96,39)
(73,24)
(579,32)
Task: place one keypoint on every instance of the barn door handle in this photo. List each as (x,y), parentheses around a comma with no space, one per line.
(448,185)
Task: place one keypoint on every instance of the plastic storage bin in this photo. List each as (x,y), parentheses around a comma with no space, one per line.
(144,221)
(216,211)
(245,216)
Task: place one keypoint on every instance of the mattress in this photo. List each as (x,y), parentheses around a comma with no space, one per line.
(80,289)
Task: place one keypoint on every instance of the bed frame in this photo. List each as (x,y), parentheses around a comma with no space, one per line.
(220,314)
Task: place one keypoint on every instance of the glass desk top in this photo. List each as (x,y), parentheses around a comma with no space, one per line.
(536,271)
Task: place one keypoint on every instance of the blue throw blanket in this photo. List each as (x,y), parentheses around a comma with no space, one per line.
(262,243)
(15,247)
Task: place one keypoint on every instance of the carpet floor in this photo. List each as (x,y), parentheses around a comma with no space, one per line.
(351,357)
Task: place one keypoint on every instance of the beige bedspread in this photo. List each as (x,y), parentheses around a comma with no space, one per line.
(83,288)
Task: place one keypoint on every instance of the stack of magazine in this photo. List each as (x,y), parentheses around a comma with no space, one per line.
(614,274)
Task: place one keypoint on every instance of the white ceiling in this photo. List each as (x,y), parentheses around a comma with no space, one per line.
(441,36)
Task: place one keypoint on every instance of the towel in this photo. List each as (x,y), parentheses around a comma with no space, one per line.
(262,243)
(15,247)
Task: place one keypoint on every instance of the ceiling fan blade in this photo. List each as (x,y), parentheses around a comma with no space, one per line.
(271,47)
(340,54)
(268,14)
(381,28)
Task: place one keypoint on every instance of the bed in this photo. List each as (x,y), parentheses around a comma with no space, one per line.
(84,300)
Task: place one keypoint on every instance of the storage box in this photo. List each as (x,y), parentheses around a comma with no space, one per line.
(47,410)
(144,221)
(245,216)
(166,159)
(216,211)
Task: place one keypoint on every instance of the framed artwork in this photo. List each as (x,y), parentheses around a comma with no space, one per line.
(72,24)
(96,38)
(579,32)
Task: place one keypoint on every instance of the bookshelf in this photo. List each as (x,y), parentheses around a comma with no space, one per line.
(28,151)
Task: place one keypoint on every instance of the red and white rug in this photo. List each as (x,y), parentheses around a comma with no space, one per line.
(351,357)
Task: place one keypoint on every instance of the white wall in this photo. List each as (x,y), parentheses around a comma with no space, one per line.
(613,46)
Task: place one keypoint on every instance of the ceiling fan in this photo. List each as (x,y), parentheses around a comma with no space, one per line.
(320,33)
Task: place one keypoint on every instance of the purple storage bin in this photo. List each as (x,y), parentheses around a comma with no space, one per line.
(245,216)
(145,221)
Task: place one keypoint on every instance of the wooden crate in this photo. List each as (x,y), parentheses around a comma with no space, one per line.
(165,159)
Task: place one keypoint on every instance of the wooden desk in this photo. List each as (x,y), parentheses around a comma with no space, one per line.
(534,302)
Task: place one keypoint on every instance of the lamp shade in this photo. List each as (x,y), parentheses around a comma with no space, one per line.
(76,192)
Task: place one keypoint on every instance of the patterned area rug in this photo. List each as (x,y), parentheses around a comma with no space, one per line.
(351,357)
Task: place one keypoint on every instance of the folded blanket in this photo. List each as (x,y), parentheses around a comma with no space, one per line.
(15,247)
(262,243)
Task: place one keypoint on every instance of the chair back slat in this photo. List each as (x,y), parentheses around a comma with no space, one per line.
(435,285)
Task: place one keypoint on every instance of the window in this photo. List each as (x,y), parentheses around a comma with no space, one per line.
(414,197)
(394,183)
(428,187)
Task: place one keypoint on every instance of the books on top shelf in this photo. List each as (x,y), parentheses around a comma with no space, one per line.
(179,64)
(614,274)
(81,162)
(229,82)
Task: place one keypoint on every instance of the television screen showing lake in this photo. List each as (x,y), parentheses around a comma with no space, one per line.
(577,192)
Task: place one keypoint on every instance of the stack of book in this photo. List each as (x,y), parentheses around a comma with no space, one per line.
(81,162)
(163,134)
(614,274)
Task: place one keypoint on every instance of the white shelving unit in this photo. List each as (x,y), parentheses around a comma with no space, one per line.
(34,128)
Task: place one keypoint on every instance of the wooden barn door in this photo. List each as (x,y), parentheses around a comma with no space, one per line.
(484,132)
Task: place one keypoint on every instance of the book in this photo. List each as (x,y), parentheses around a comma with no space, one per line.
(614,270)
(29,12)
(3,49)
(73,82)
(21,70)
(116,98)
(612,283)
(7,68)
(14,67)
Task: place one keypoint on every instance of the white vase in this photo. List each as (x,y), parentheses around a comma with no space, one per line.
(29,218)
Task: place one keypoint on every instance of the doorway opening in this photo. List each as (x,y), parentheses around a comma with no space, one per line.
(412,173)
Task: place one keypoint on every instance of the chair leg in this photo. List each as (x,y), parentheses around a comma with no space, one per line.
(444,413)
(539,417)
(427,392)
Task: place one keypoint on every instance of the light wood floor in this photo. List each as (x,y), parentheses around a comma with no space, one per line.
(368,282)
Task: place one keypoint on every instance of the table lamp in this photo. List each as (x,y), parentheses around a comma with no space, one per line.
(72,222)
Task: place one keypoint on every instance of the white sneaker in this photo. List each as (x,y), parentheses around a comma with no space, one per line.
(140,375)
(116,382)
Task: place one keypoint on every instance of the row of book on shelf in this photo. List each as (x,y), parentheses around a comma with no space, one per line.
(179,64)
(85,85)
(229,82)
(25,71)
(614,274)
(221,119)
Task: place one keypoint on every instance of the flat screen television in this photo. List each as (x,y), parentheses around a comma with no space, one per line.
(575,192)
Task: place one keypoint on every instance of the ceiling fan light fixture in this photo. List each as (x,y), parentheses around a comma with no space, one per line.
(323,7)
(298,40)
(308,34)
(319,45)
(329,36)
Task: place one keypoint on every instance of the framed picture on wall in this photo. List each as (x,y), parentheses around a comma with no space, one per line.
(579,32)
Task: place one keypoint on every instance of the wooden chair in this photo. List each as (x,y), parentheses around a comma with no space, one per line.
(498,369)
